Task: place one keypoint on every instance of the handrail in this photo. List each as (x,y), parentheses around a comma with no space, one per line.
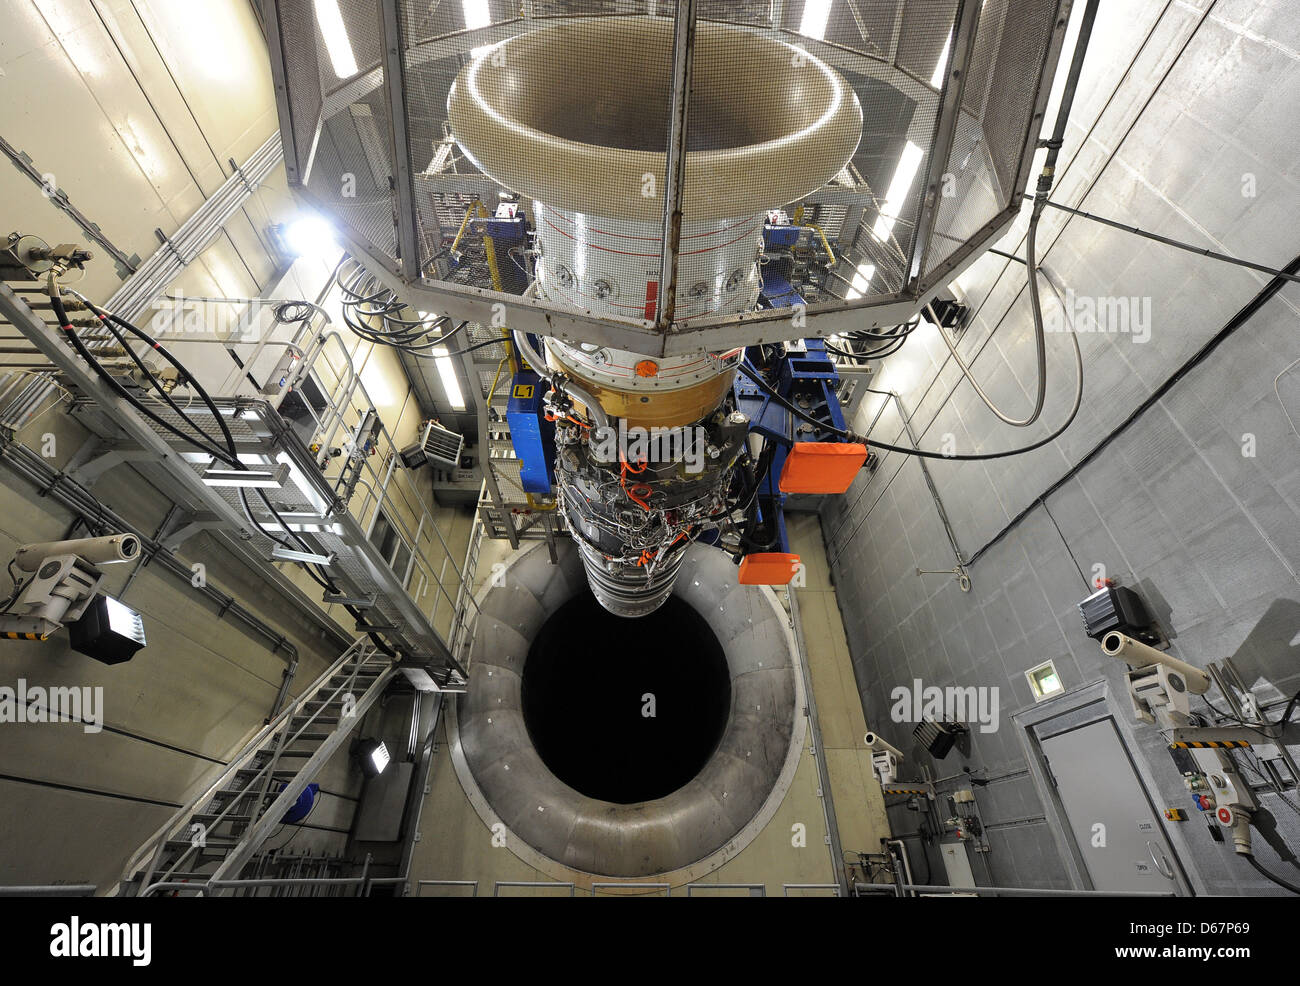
(692,887)
(896,888)
(496,887)
(379,488)
(365,883)
(446,883)
(250,749)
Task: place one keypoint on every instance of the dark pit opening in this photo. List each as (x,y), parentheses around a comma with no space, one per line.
(584,686)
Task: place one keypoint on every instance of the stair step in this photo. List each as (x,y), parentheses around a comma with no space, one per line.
(310,738)
(212,816)
(250,772)
(209,848)
(314,720)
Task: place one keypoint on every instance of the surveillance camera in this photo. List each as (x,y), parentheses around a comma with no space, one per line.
(63,579)
(93,551)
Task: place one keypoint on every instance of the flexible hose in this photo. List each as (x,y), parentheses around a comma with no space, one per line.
(1269,876)
(1040,340)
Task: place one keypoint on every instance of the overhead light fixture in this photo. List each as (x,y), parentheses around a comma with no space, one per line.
(330,20)
(306,557)
(311,236)
(941,69)
(478,13)
(1044,681)
(450,382)
(816,14)
(861,280)
(264,478)
(908,165)
(373,756)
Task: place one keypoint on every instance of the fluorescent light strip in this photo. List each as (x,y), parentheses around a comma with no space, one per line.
(941,69)
(477,13)
(816,14)
(450,382)
(337,42)
(861,281)
(262,478)
(908,165)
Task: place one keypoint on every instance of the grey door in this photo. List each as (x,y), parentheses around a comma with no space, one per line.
(1117,831)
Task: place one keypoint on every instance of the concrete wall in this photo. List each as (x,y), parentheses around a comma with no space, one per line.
(1180,127)
(134,109)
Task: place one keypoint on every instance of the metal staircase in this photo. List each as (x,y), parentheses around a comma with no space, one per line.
(218,832)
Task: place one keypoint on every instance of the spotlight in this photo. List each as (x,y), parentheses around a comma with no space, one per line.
(109,631)
(372,755)
(310,236)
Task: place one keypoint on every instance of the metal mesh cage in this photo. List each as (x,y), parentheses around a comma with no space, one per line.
(496,152)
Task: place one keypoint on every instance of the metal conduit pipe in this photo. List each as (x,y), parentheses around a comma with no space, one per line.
(537,363)
(498,741)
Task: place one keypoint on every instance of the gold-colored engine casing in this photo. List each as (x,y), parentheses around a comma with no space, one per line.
(654,409)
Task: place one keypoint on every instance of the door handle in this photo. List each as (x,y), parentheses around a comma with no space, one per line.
(1165,869)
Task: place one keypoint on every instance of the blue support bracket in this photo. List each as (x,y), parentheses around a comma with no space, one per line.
(531,434)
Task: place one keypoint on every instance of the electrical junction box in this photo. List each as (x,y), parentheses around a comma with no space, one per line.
(531,434)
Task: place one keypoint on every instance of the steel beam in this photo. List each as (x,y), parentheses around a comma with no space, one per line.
(124,417)
(684,27)
(408,220)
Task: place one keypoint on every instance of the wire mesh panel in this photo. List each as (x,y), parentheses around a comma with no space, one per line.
(1000,90)
(534,138)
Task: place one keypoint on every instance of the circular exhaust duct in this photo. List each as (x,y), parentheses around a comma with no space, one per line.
(628,748)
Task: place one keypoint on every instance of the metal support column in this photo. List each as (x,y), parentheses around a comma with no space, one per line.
(408,233)
(675,178)
(945,131)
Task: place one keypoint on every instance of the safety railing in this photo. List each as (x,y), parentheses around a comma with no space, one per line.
(755,889)
(462,623)
(533,885)
(51,890)
(647,889)
(904,889)
(388,494)
(472,884)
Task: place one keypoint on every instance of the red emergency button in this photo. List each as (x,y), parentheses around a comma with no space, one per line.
(1225,816)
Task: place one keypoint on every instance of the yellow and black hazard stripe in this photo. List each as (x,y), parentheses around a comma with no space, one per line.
(906,790)
(1210,745)
(10,635)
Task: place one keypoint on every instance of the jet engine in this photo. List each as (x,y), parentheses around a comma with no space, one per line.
(651,452)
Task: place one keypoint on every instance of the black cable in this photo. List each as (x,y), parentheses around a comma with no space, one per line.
(18,588)
(849,436)
(1269,876)
(209,445)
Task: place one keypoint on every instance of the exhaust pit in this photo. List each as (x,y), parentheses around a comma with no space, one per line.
(625,710)
(553,739)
